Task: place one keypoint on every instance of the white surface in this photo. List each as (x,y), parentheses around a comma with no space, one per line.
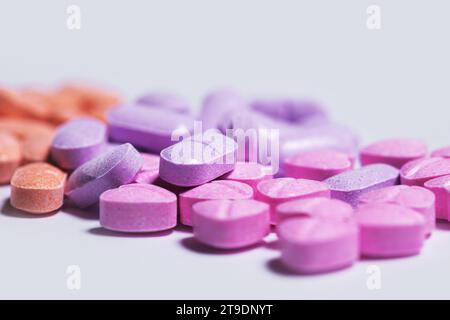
(392,82)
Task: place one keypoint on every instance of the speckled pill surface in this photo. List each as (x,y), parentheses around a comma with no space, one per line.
(250,173)
(413,197)
(215,190)
(441,189)
(389,230)
(317,164)
(349,186)
(279,190)
(149,172)
(10,156)
(164,100)
(107,171)
(147,128)
(316,246)
(132,208)
(317,207)
(37,188)
(198,159)
(78,141)
(230,224)
(417,172)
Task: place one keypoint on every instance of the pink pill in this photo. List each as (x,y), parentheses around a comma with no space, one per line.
(250,173)
(441,188)
(317,165)
(138,208)
(215,190)
(150,169)
(417,172)
(441,152)
(316,245)
(413,197)
(389,230)
(395,152)
(319,207)
(230,224)
(279,190)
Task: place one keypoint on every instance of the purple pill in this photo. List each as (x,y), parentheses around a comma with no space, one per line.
(78,141)
(350,185)
(108,170)
(198,159)
(148,128)
(164,100)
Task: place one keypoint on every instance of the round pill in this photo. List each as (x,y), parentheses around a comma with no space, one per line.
(107,171)
(389,230)
(78,141)
(250,173)
(37,188)
(279,190)
(317,164)
(131,208)
(315,245)
(10,156)
(215,190)
(413,197)
(395,152)
(150,169)
(441,189)
(350,185)
(441,152)
(230,224)
(317,207)
(417,172)
(164,100)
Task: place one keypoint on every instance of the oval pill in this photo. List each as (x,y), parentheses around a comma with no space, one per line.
(417,172)
(164,100)
(250,173)
(10,156)
(441,152)
(37,188)
(149,172)
(441,188)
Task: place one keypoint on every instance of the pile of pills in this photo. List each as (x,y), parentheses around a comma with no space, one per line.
(255,167)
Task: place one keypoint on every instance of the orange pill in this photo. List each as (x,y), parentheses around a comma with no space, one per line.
(10,156)
(37,188)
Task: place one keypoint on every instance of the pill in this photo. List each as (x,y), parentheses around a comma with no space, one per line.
(198,159)
(279,190)
(389,230)
(10,156)
(413,197)
(395,152)
(14,103)
(441,188)
(250,173)
(164,100)
(317,164)
(350,185)
(37,188)
(316,246)
(417,172)
(230,224)
(150,169)
(441,152)
(317,207)
(107,171)
(131,208)
(215,190)
(78,141)
(147,128)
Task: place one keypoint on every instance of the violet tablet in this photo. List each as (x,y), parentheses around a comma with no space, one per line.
(107,171)
(441,152)
(417,172)
(441,188)
(250,173)
(164,100)
(150,169)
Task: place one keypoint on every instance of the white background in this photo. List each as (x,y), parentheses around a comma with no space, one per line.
(385,83)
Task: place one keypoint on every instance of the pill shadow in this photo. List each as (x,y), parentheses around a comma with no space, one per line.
(275,265)
(272,245)
(99,231)
(183,229)
(10,211)
(90,213)
(442,225)
(193,245)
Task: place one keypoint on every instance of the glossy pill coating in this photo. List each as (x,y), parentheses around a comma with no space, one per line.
(164,100)
(413,197)
(316,246)
(198,159)
(10,156)
(215,190)
(390,230)
(250,173)
(132,208)
(317,207)
(107,171)
(78,141)
(417,172)
(37,188)
(349,186)
(147,128)
(279,190)
(441,188)
(317,164)
(149,172)
(230,224)
(441,152)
